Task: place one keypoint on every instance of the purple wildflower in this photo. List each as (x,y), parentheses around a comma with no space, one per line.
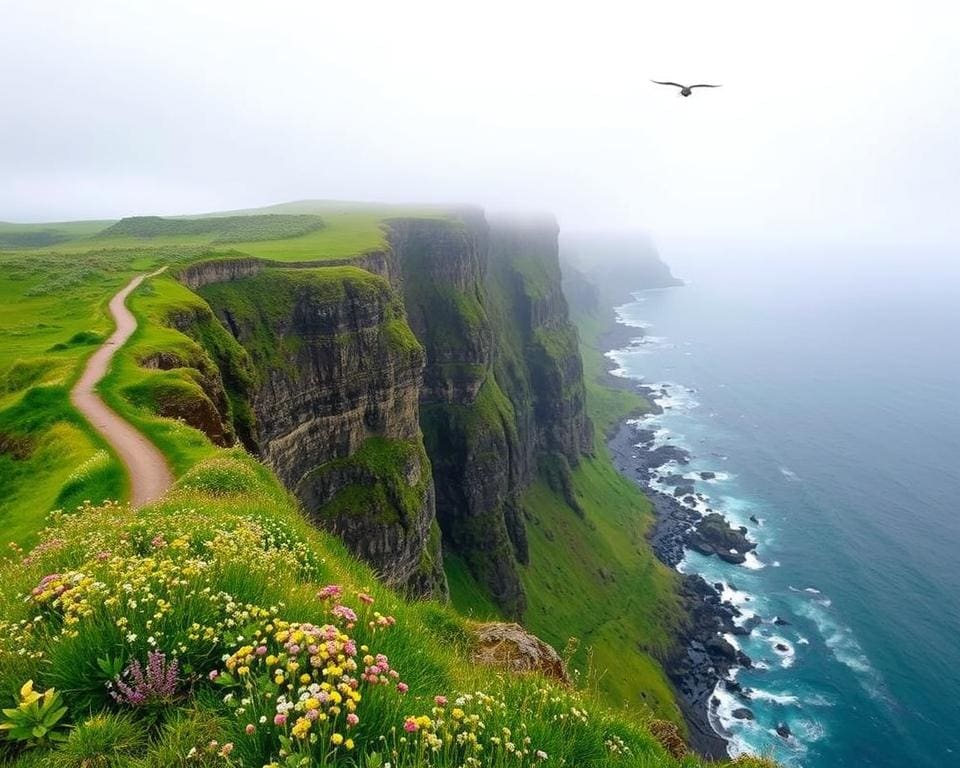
(157,684)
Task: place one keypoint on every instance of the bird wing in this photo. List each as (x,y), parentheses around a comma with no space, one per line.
(704,85)
(667,82)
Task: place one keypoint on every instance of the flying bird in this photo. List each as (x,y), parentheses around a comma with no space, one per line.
(685,90)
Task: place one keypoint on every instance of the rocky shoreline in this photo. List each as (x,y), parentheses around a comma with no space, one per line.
(703,657)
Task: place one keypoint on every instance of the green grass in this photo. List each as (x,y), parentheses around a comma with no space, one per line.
(466,595)
(139,393)
(220,549)
(595,578)
(219,229)
(381,491)
(348,231)
(52,315)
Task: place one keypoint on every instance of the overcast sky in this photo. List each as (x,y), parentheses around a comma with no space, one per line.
(836,120)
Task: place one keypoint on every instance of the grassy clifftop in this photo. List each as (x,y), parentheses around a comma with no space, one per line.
(226,564)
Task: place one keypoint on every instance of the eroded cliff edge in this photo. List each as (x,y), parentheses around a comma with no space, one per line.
(408,399)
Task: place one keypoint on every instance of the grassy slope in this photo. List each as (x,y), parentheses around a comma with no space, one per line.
(49,457)
(598,572)
(52,316)
(226,540)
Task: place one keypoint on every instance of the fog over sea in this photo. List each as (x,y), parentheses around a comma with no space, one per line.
(826,399)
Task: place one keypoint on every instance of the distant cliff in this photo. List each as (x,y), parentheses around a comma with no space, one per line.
(408,401)
(602,270)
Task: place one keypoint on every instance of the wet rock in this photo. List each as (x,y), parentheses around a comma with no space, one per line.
(783,731)
(713,535)
(742,713)
(780,622)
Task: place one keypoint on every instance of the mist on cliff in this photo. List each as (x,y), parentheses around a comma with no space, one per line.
(835,122)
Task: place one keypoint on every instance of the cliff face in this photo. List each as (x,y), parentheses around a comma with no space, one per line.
(415,404)
(503,387)
(336,405)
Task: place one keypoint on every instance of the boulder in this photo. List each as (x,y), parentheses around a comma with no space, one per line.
(510,646)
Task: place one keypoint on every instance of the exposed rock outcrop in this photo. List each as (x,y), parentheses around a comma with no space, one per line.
(510,646)
(336,399)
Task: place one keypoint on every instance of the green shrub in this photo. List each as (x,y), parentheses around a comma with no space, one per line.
(101,741)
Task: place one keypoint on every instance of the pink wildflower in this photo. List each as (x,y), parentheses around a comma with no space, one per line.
(352,720)
(342,612)
(403,687)
(363,597)
(330,592)
(410,725)
(440,701)
(279,719)
(250,729)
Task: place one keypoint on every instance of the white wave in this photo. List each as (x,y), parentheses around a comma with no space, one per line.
(630,322)
(787,656)
(789,474)
(783,699)
(753,562)
(843,645)
(733,596)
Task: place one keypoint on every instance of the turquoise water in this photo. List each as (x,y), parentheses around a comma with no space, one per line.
(826,397)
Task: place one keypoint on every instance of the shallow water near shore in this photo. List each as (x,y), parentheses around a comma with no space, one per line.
(827,411)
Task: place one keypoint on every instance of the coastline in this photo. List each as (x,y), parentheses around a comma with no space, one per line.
(703,658)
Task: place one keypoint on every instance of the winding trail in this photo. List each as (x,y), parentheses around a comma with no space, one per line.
(146,467)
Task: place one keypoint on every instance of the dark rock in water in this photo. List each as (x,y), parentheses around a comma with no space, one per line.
(713,535)
(736,558)
(783,731)
(718,585)
(742,713)
(708,475)
(733,686)
(753,519)
(782,648)
(721,647)
(689,500)
(780,622)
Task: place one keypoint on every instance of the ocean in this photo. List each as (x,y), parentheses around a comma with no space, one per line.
(823,390)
